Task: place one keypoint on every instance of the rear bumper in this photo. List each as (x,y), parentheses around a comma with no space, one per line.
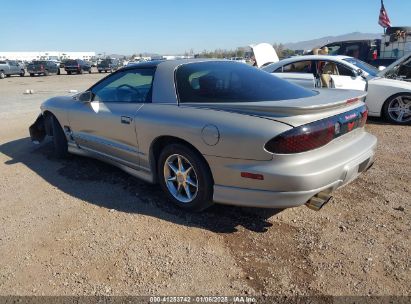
(292,180)
(35,71)
(68,69)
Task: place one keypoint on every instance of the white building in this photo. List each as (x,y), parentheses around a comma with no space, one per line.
(48,55)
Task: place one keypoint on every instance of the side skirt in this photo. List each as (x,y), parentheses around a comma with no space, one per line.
(141,174)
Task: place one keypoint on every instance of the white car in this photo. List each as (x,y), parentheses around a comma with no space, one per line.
(387,97)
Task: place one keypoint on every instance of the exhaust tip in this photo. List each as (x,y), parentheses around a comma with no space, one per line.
(318,201)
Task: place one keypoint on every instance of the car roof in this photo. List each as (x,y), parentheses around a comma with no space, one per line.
(170,63)
(144,64)
(316,57)
(304,58)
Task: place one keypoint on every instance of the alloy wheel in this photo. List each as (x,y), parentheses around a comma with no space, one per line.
(399,109)
(180,178)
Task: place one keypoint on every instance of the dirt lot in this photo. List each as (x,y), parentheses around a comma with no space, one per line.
(81,227)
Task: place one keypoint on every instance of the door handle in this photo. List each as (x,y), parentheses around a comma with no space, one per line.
(126,120)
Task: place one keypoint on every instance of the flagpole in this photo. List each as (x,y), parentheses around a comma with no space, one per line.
(385,33)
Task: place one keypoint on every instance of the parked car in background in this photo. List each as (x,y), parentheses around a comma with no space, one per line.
(387,97)
(108,65)
(239,59)
(11,67)
(232,134)
(43,67)
(63,63)
(77,66)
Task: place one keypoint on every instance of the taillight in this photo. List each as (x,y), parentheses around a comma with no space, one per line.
(374,55)
(41,67)
(317,134)
(364,118)
(78,65)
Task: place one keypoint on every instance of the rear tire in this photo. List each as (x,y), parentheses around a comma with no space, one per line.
(196,186)
(80,71)
(31,74)
(68,72)
(89,71)
(22,73)
(58,71)
(46,73)
(59,139)
(99,71)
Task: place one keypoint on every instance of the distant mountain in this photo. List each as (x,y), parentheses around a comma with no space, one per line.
(117,56)
(310,44)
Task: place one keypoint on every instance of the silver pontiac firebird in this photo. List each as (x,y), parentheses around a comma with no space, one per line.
(216,131)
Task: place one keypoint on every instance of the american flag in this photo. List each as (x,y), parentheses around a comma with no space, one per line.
(384,20)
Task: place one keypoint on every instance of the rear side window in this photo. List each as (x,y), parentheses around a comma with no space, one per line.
(223,81)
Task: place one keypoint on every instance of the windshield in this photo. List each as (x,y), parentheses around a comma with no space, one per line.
(363,66)
(228,81)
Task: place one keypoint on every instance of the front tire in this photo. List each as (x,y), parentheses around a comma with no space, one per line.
(185,177)
(59,139)
(22,72)
(397,109)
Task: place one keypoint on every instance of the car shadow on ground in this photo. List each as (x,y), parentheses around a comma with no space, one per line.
(378,121)
(73,174)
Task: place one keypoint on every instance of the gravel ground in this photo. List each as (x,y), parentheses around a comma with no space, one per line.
(81,227)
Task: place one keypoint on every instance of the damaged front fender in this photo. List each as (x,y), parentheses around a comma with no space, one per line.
(38,130)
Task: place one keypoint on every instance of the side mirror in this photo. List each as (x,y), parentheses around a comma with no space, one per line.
(85,96)
(359,73)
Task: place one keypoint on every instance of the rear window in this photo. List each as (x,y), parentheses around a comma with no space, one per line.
(39,62)
(232,82)
(68,62)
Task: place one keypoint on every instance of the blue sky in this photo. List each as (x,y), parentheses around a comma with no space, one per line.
(171,27)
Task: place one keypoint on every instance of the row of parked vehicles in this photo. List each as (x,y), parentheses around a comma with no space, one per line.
(48,67)
(388,88)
